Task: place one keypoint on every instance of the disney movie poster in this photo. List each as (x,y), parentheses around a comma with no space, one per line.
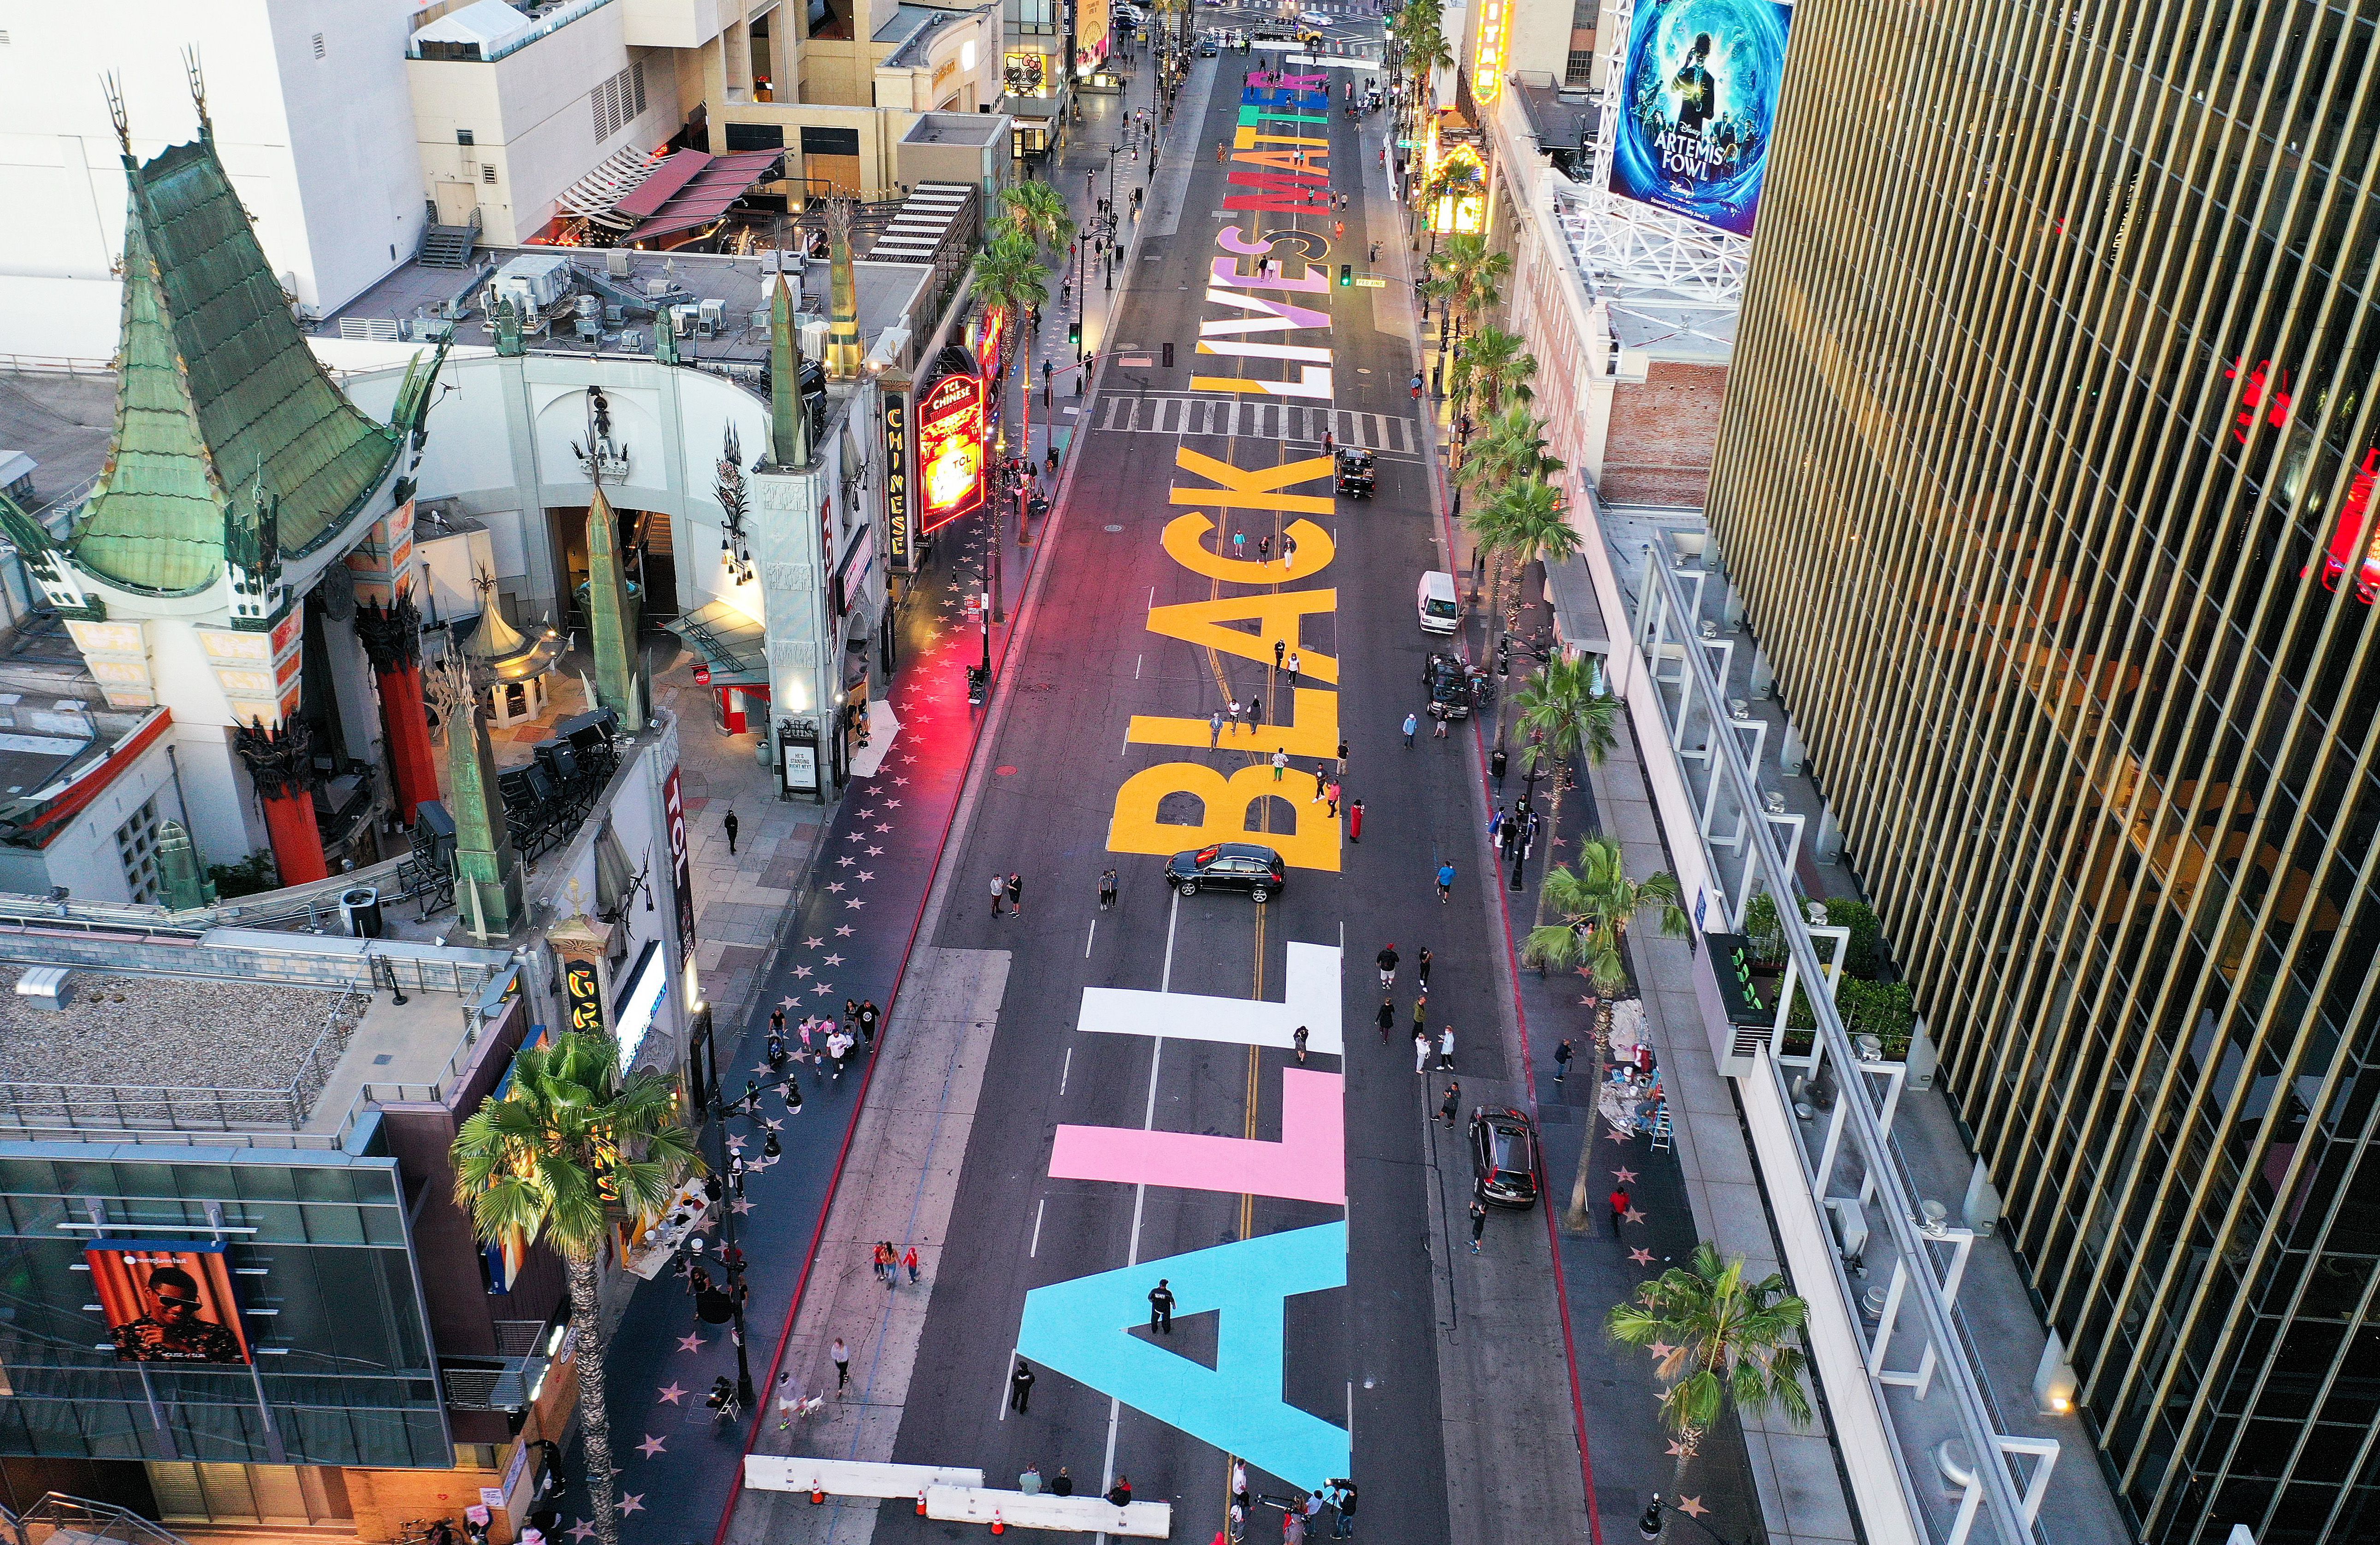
(1700,107)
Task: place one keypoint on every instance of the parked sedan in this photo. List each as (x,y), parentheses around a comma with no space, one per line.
(1504,1157)
(1228,866)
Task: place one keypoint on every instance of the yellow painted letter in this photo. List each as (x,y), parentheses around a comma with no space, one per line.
(1276,615)
(1224,811)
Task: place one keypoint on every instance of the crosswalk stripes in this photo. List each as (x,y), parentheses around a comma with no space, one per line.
(1385,434)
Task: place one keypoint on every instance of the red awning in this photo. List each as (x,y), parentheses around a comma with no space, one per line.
(694,187)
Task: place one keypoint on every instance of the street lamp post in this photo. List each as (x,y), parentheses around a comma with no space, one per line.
(715,1114)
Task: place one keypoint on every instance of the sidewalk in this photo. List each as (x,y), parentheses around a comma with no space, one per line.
(817,905)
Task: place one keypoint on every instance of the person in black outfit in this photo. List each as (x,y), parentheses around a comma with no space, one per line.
(1020,1386)
(1388,1019)
(1160,1307)
(1121,1492)
(1562,1054)
(1387,960)
(868,1015)
(1421,965)
(1063,1486)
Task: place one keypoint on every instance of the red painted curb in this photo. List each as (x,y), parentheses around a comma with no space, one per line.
(1529,1071)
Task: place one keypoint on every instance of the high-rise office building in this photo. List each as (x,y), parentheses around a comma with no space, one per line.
(2046,474)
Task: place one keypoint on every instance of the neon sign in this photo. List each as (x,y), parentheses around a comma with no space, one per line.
(951,449)
(2350,547)
(896,476)
(2261,393)
(989,332)
(1494,28)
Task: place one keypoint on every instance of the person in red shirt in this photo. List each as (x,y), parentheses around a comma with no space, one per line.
(1619,1208)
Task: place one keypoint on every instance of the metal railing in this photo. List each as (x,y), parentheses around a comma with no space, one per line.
(1667,632)
(57,1513)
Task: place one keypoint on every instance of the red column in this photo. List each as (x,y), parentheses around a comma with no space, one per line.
(731,709)
(392,641)
(281,763)
(411,767)
(297,841)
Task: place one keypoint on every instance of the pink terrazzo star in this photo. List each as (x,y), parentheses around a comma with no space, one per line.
(671,1392)
(1642,1257)
(653,1445)
(690,1344)
(1625,1176)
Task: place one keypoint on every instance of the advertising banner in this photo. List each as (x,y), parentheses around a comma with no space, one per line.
(1092,22)
(582,988)
(681,868)
(167,1300)
(951,439)
(1699,108)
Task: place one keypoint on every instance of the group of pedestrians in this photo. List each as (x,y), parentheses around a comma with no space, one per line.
(889,1263)
(1301,1511)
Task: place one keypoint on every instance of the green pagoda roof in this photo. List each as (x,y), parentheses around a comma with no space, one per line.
(217,393)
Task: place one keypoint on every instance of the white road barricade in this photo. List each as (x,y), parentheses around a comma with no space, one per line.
(854,1477)
(973,1505)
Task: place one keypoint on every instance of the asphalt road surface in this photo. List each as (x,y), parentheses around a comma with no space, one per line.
(1362,1356)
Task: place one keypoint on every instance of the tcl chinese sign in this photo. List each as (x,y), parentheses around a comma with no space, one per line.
(990,331)
(951,449)
(897,477)
(584,989)
(681,870)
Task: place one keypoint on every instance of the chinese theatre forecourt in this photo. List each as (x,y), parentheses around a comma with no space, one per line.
(1702,77)
(1259,323)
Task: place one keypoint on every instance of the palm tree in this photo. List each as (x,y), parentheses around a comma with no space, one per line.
(1494,361)
(1036,211)
(1718,1341)
(1009,274)
(1566,713)
(570,1149)
(1523,522)
(1509,448)
(1475,272)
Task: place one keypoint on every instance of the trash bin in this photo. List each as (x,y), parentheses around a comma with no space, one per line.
(360,907)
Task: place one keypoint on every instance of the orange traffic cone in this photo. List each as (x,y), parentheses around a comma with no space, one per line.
(818,1493)
(999,1525)
(921,1504)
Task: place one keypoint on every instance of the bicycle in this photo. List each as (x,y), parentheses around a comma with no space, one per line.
(426,1531)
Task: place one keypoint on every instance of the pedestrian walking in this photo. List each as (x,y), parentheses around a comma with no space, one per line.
(1107,888)
(1341,768)
(1020,1386)
(1619,1208)
(1215,730)
(909,1263)
(999,889)
(1016,894)
(1446,1050)
(733,825)
(1288,552)
(1240,546)
(1496,820)
(1343,1502)
(1238,1483)
(1412,724)
(1452,1104)
(1356,822)
(870,1018)
(1437,732)
(1445,882)
(1235,712)
(1387,960)
(1562,1054)
(1280,762)
(1292,668)
(1264,549)
(879,1258)
(1160,1307)
(1299,1037)
(1256,712)
(1421,1046)
(1388,1018)
(1321,784)
(1478,1223)
(842,1356)
(1421,965)
(1330,790)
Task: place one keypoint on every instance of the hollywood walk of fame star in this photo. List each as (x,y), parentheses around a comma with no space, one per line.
(673,1392)
(690,1344)
(1678,1450)
(900,783)
(807,944)
(773,1124)
(735,1144)
(874,853)
(1660,1348)
(759,1067)
(836,959)
(867,813)
(581,1532)
(1625,1176)
(1616,1135)
(845,862)
(1586,1003)
(883,829)
(892,804)
(866,876)
(787,1004)
(633,1505)
(854,837)
(799,971)
(844,932)
(1633,1215)
(1642,1257)
(826,989)
(855,901)
(1692,1507)
(836,886)
(740,1204)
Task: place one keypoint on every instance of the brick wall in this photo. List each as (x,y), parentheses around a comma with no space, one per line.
(1662,432)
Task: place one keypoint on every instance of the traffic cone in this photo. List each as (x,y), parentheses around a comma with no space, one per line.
(999,1525)
(818,1493)
(921,1504)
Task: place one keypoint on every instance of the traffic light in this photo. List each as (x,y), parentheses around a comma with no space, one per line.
(1346,275)
(1075,333)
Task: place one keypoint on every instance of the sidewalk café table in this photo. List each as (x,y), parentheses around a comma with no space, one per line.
(682,1215)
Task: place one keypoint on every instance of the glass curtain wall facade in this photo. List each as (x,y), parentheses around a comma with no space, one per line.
(2045,472)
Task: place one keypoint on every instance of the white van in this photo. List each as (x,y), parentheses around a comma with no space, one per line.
(1434,600)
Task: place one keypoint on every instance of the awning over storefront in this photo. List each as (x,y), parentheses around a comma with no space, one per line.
(693,188)
(1578,616)
(731,644)
(597,196)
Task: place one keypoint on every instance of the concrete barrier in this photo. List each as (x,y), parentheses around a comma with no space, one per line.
(852,1477)
(973,1505)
